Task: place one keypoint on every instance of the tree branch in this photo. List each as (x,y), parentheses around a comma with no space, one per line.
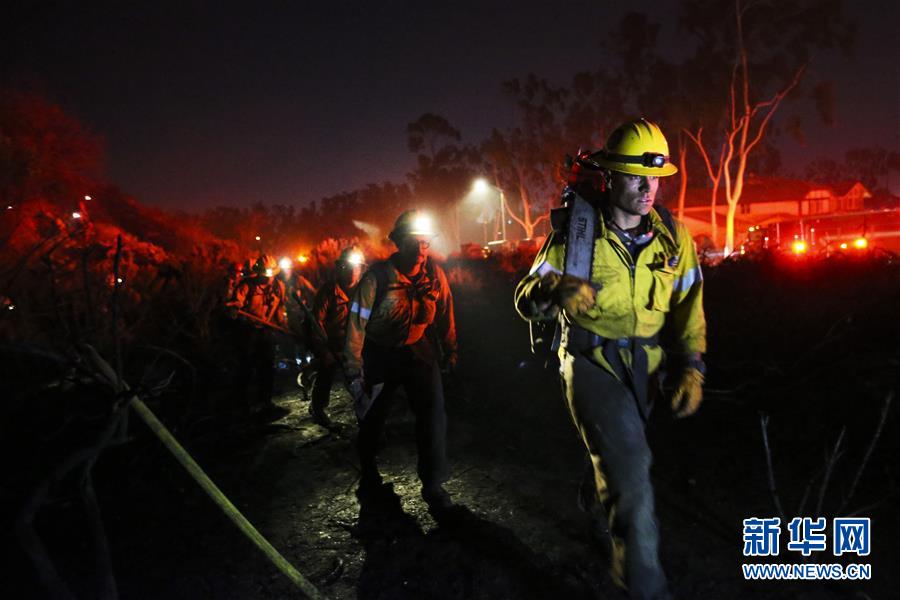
(108,589)
(698,141)
(773,490)
(829,468)
(776,100)
(865,461)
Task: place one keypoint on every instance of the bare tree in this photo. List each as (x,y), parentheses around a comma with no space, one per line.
(744,129)
(445,166)
(527,160)
(521,179)
(715,176)
(758,63)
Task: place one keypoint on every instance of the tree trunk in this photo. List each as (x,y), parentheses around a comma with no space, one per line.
(713,221)
(729,227)
(529,230)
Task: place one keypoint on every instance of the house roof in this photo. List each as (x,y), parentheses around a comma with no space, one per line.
(739,219)
(777,189)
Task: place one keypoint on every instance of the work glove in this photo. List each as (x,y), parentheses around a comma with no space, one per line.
(574,295)
(351,376)
(688,393)
(361,401)
(570,293)
(356,387)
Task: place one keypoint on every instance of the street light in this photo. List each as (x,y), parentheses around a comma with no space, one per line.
(480,186)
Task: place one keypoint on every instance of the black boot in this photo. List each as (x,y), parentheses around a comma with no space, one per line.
(320,417)
(436,497)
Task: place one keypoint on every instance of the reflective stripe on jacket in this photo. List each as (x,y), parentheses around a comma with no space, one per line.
(633,299)
(405,311)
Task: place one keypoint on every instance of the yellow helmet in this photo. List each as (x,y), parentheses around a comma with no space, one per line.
(637,148)
(413,222)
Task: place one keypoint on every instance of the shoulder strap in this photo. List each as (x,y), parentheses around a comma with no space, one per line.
(668,220)
(559,218)
(431,269)
(380,271)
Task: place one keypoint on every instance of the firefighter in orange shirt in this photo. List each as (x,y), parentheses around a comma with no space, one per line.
(401,332)
(261,299)
(331,308)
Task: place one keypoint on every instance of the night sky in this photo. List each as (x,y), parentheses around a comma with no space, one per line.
(288,102)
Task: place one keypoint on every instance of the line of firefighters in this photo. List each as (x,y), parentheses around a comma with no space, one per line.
(392,326)
(615,270)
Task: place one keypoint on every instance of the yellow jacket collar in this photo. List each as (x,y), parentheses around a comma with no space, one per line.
(660,230)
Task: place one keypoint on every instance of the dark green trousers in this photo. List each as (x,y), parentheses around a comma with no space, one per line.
(606,414)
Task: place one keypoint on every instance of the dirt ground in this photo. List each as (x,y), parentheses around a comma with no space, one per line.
(516,466)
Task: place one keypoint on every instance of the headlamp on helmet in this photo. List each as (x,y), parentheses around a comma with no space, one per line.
(351,257)
(413,223)
(421,225)
(647,159)
(654,160)
(356,259)
(266,265)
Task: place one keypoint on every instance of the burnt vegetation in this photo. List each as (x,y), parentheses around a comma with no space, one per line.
(105,300)
(798,421)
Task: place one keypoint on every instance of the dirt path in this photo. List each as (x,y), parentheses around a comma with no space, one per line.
(523,536)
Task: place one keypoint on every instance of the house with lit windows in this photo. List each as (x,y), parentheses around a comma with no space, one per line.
(774,212)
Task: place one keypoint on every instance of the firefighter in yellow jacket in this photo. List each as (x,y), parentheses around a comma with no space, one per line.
(401,332)
(644,274)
